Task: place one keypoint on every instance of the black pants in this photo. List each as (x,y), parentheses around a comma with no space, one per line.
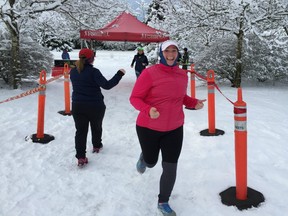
(137,73)
(84,114)
(184,67)
(170,145)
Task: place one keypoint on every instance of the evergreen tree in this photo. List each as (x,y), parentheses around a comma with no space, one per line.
(22,17)
(156,11)
(201,24)
(266,64)
(33,58)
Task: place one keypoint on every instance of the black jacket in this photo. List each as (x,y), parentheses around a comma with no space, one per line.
(87,84)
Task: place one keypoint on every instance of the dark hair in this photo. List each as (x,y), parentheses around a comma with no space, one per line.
(185,49)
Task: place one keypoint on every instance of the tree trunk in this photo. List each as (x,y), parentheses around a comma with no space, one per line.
(238,64)
(238,72)
(15,76)
(286,30)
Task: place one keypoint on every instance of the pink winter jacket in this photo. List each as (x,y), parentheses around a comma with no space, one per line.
(163,87)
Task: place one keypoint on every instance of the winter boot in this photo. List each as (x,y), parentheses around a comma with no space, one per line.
(97,149)
(82,161)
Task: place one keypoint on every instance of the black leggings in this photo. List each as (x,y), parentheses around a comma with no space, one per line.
(84,114)
(170,144)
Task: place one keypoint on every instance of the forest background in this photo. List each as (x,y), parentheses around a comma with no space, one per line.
(239,39)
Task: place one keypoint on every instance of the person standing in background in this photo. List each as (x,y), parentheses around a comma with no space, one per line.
(65,54)
(185,59)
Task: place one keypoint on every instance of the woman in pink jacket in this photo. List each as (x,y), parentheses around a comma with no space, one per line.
(159,94)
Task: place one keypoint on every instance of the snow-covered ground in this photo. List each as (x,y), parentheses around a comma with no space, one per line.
(44,180)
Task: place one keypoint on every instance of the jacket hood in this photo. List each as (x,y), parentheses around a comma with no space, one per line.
(163,60)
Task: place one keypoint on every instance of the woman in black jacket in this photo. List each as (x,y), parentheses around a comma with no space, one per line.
(88,102)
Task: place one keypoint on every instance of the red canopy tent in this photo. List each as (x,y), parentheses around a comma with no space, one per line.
(125,27)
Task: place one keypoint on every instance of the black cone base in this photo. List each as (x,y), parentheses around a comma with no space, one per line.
(254,198)
(46,139)
(64,113)
(206,132)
